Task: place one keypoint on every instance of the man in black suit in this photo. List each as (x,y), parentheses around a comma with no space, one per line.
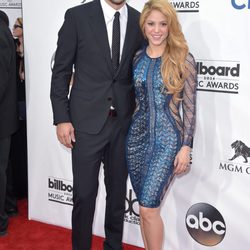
(8,109)
(95,119)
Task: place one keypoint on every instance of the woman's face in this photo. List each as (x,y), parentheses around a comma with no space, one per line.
(156,28)
(17,29)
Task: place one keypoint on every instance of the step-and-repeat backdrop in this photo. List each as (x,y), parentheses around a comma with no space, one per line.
(209,206)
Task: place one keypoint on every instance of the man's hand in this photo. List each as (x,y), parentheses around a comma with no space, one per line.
(65,134)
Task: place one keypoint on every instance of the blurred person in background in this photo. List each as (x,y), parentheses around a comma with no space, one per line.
(18,152)
(18,35)
(9,117)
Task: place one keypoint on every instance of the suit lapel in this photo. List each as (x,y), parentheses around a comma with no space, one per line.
(97,23)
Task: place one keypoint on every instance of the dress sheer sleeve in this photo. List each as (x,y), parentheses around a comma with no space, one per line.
(189,102)
(137,56)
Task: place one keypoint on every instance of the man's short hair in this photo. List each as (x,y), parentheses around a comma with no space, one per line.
(4,18)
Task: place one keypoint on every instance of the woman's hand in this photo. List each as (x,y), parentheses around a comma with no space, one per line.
(182,160)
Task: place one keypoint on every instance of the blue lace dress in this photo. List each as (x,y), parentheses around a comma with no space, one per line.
(157,131)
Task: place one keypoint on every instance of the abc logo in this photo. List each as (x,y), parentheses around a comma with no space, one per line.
(241,4)
(132,207)
(205,224)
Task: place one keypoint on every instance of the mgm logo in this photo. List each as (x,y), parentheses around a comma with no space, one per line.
(240,149)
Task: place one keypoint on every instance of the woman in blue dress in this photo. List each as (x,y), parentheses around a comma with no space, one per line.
(160,137)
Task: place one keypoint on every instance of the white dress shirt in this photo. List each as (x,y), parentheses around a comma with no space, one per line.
(109,13)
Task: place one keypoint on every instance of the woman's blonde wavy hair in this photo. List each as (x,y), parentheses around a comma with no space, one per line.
(20,21)
(173,67)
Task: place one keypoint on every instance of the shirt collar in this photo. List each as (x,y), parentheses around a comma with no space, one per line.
(109,12)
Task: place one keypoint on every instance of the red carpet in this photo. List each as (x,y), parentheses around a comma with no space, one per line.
(31,235)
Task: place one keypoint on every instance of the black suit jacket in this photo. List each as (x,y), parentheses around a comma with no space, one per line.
(8,86)
(83,44)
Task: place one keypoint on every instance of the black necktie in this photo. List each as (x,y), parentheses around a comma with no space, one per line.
(116,42)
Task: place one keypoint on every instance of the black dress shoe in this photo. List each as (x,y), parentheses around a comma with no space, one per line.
(12,212)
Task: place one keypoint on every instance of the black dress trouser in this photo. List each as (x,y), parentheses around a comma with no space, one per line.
(7,198)
(108,146)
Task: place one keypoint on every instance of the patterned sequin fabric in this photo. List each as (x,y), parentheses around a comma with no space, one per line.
(157,130)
